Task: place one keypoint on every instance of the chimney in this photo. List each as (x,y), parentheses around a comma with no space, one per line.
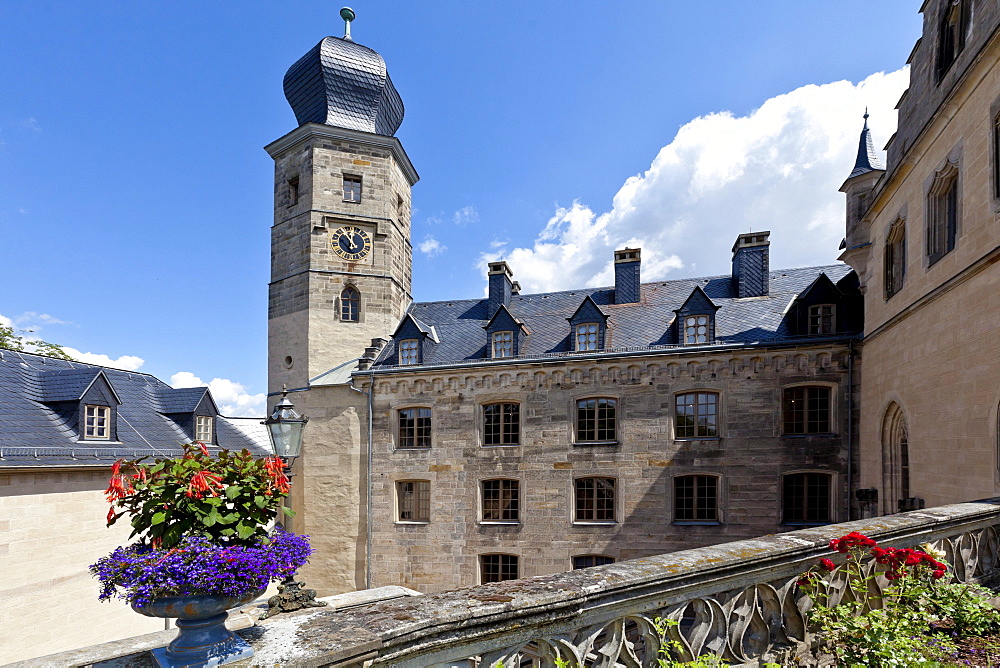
(627,276)
(751,265)
(501,285)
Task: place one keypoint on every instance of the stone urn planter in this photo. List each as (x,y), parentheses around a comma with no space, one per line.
(203,639)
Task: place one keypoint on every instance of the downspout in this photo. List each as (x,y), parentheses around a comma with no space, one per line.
(850,426)
(368,478)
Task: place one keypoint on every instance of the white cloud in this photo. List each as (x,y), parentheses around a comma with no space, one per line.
(778,168)
(125,362)
(31,318)
(232,398)
(431,247)
(31,123)
(465,215)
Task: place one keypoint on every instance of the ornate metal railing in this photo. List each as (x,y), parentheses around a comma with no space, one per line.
(737,600)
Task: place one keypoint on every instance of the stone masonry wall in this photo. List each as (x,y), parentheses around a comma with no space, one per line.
(751,455)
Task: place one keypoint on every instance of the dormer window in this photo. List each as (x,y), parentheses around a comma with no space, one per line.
(409,351)
(203,428)
(503,344)
(822,319)
(695,329)
(352,188)
(586,336)
(97,423)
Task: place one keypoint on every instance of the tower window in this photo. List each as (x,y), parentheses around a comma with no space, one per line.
(293,191)
(503,344)
(822,319)
(414,498)
(97,424)
(350,305)
(203,428)
(409,353)
(942,213)
(352,188)
(695,329)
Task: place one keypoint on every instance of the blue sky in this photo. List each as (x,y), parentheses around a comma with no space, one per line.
(135,197)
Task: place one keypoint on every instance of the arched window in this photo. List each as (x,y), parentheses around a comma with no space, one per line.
(350,305)
(895,258)
(895,458)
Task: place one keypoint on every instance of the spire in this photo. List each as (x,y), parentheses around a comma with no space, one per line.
(867,158)
(347,14)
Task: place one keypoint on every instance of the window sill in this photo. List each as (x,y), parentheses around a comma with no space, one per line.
(696,523)
(822,435)
(506,523)
(684,439)
(409,522)
(586,444)
(805,524)
(102,441)
(500,445)
(415,449)
(609,523)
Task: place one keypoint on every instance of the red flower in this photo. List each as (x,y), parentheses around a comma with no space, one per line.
(827,564)
(119,486)
(938,574)
(111,514)
(204,450)
(203,483)
(851,540)
(276,470)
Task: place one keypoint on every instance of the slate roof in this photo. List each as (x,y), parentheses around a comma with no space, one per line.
(33,432)
(346,85)
(867,160)
(644,325)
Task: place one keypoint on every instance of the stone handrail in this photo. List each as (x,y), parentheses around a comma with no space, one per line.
(737,600)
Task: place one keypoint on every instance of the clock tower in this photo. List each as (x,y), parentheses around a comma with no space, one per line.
(340,245)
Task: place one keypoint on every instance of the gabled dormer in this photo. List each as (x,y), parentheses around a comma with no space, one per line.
(694,323)
(504,334)
(825,308)
(588,327)
(411,340)
(193,410)
(85,400)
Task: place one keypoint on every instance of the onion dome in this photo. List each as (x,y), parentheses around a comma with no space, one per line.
(344,84)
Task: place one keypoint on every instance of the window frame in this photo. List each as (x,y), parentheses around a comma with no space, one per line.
(513,561)
(292,188)
(349,296)
(943,213)
(697,504)
(830,500)
(506,339)
(407,346)
(416,428)
(685,327)
(504,433)
(588,330)
(421,493)
(814,311)
(101,412)
(579,432)
(596,501)
(831,412)
(894,268)
(354,192)
(718,415)
(513,501)
(198,430)
(595,557)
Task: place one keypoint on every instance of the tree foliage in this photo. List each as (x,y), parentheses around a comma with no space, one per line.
(15,339)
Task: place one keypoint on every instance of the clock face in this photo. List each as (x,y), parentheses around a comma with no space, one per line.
(351,243)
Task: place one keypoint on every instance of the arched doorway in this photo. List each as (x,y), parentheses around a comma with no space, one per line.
(895,459)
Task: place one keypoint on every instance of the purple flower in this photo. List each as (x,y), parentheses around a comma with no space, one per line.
(196,566)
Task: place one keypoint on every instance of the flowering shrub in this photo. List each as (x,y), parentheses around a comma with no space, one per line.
(896,627)
(230,498)
(140,573)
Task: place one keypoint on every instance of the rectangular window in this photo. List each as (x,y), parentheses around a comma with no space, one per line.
(498,567)
(586,336)
(408,352)
(806,498)
(595,420)
(895,258)
(503,344)
(595,499)
(697,415)
(414,498)
(352,188)
(942,214)
(806,410)
(415,428)
(97,422)
(588,560)
(203,429)
(822,319)
(696,498)
(502,424)
(501,502)
(293,191)
(695,329)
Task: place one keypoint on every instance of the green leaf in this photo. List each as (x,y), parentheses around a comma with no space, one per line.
(233,491)
(288,511)
(260,501)
(158,518)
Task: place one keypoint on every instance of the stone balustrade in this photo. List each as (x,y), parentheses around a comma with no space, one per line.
(737,600)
